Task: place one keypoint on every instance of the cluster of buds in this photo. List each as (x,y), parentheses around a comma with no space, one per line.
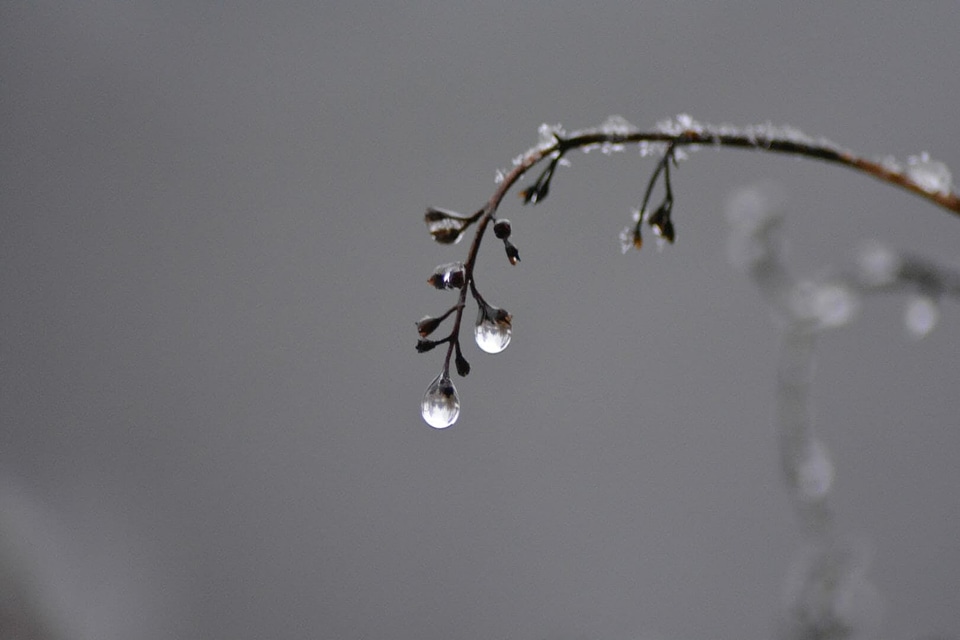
(440,406)
(494,329)
(659,220)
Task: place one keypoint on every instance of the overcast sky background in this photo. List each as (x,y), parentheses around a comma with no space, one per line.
(213,257)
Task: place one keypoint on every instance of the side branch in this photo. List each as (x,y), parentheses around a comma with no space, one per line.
(809,149)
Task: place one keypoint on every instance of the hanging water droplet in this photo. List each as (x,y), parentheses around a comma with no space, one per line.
(440,407)
(493,337)
(921,315)
(494,329)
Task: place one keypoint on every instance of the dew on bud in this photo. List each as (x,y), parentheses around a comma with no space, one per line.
(448,276)
(440,406)
(446,227)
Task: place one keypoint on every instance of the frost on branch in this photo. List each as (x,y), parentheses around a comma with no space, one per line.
(930,175)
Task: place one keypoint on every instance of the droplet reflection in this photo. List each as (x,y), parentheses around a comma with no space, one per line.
(493,336)
(440,407)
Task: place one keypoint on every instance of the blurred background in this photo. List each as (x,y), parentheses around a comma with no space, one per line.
(213,256)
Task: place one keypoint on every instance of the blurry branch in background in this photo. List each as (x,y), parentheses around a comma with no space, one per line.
(827,593)
(669,142)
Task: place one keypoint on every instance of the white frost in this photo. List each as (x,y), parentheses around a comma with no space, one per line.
(548,135)
(931,175)
(618,125)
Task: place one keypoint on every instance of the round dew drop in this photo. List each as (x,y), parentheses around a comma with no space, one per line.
(493,337)
(440,406)
(921,315)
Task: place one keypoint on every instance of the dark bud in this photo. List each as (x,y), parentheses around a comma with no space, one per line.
(658,217)
(512,254)
(667,232)
(637,237)
(538,191)
(428,325)
(463,367)
(425,345)
(446,227)
(500,316)
(660,221)
(502,229)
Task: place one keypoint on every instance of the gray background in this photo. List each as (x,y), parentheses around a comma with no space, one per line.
(213,256)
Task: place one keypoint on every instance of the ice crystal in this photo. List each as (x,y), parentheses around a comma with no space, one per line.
(890,163)
(930,175)
(548,135)
(617,125)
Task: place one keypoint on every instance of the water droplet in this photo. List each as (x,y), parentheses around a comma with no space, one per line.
(878,265)
(835,305)
(440,407)
(493,336)
(931,175)
(921,315)
(814,472)
(448,276)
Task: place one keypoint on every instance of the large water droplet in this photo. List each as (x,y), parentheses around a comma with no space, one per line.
(493,337)
(493,329)
(440,407)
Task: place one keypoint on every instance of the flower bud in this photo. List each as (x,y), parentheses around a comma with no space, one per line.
(428,325)
(446,227)
(512,254)
(448,276)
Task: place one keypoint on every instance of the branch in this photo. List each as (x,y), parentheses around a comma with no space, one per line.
(440,407)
